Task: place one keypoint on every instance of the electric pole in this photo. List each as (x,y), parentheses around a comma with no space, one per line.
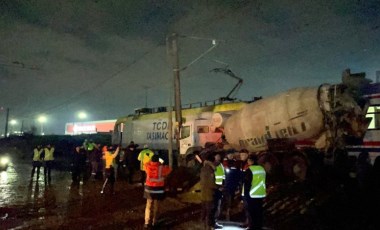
(6,123)
(173,50)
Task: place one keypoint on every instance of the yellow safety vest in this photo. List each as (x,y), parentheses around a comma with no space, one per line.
(258,188)
(49,154)
(144,157)
(37,154)
(220,175)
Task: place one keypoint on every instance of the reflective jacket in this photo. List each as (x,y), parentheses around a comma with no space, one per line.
(156,173)
(255,182)
(109,158)
(220,174)
(49,154)
(144,157)
(37,154)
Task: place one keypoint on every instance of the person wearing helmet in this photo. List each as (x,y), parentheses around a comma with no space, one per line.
(144,157)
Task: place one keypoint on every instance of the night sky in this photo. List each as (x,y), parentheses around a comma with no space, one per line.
(105,56)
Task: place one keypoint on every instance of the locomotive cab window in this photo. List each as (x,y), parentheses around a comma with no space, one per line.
(185,132)
(203,129)
(374,113)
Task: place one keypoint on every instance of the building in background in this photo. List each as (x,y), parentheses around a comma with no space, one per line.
(89,127)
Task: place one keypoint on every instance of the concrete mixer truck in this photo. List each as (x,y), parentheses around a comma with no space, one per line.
(323,118)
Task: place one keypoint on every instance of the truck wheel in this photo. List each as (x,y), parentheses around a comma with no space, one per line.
(295,166)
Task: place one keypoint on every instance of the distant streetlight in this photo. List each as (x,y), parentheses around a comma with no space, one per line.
(82,115)
(42,119)
(13,122)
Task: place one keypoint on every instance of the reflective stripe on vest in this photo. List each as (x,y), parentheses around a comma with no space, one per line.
(219,174)
(258,189)
(154,191)
(160,178)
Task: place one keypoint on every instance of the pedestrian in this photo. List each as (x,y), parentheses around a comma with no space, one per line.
(78,165)
(48,161)
(93,154)
(254,192)
(37,162)
(220,176)
(99,162)
(208,189)
(109,158)
(144,157)
(231,182)
(130,160)
(154,190)
(243,166)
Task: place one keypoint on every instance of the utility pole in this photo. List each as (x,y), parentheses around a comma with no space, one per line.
(6,123)
(173,51)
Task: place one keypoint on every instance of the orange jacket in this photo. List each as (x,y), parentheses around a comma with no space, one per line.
(156,173)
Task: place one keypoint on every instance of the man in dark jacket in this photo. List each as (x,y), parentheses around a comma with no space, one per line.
(78,164)
(231,183)
(208,189)
(130,155)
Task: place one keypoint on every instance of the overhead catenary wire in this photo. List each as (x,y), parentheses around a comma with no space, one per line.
(96,86)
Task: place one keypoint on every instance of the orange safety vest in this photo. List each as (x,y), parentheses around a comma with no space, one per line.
(156,173)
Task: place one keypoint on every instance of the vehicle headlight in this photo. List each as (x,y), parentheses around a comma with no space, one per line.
(4,160)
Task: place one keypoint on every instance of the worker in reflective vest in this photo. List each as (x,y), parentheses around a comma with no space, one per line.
(37,163)
(144,157)
(154,190)
(48,158)
(220,176)
(109,159)
(254,192)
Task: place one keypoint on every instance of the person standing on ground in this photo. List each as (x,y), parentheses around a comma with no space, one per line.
(92,154)
(130,160)
(144,157)
(231,182)
(78,164)
(243,166)
(154,190)
(208,189)
(254,192)
(109,158)
(220,176)
(48,158)
(37,163)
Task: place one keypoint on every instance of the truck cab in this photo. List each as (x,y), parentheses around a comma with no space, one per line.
(196,133)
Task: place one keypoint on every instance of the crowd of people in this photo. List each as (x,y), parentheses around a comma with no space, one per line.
(224,181)
(226,178)
(223,178)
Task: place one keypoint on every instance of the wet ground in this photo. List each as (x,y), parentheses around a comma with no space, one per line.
(33,204)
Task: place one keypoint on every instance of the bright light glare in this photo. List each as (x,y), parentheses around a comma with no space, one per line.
(13,122)
(42,119)
(4,160)
(82,115)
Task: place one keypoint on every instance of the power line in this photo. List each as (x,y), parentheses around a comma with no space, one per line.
(98,85)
